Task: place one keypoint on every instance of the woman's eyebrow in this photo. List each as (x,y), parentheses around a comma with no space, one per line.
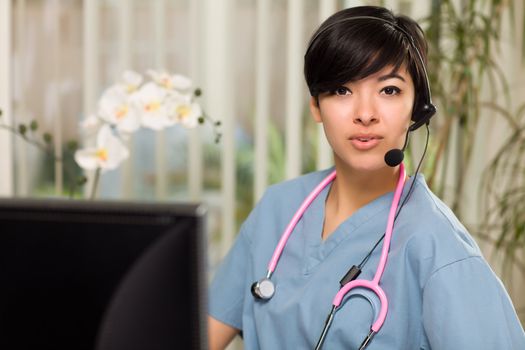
(390,76)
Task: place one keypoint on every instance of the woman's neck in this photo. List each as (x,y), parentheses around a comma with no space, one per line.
(357,188)
(353,189)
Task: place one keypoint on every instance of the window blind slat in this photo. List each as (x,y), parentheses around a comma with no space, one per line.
(294,91)
(262,98)
(6,146)
(159,52)
(219,97)
(125,61)
(195,154)
(324,151)
(91,69)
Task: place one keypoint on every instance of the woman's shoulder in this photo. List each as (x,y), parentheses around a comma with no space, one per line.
(431,208)
(431,230)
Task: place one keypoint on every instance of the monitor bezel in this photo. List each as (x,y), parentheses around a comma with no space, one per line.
(114,210)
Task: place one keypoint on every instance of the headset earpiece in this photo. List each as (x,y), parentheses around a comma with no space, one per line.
(424,115)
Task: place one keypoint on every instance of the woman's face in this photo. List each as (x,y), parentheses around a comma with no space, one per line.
(364,119)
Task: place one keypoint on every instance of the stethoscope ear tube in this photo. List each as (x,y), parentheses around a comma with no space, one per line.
(367,340)
(327,324)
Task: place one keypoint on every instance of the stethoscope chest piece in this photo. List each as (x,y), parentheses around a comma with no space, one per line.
(263,289)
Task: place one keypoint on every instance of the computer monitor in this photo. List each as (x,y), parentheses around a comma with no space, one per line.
(89,275)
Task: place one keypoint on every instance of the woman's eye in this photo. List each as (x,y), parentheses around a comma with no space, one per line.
(391,90)
(341,91)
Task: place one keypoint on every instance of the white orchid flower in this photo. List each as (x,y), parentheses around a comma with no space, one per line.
(181,82)
(171,82)
(151,101)
(130,81)
(184,111)
(116,107)
(107,155)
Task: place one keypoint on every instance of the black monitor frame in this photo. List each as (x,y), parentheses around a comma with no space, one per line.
(123,256)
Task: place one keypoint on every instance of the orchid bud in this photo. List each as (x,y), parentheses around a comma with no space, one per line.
(48,138)
(34,125)
(22,129)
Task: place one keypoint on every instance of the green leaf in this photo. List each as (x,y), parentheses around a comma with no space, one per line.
(34,125)
(1,112)
(201,120)
(198,92)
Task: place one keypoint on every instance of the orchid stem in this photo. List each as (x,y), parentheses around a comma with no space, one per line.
(43,147)
(95,184)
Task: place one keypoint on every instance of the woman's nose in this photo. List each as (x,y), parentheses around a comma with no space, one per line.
(365,113)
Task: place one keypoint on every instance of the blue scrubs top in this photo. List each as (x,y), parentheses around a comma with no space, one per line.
(442,293)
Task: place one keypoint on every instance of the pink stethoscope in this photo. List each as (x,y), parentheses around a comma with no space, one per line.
(264,289)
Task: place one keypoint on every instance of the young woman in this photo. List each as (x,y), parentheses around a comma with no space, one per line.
(423,283)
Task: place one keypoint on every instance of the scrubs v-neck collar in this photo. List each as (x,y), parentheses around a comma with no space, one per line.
(317,249)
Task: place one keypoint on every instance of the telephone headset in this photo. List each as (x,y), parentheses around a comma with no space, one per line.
(264,289)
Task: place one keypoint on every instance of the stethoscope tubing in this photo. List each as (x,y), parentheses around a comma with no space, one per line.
(390,224)
(295,219)
(373,285)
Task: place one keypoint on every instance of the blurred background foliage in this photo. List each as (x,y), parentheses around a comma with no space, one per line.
(468,85)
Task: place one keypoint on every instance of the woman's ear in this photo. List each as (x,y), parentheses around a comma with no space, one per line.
(315,110)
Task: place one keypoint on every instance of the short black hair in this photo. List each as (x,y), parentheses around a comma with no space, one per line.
(345,49)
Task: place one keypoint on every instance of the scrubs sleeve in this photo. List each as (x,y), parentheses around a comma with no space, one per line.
(466,307)
(228,287)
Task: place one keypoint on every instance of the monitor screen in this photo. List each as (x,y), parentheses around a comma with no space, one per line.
(101,275)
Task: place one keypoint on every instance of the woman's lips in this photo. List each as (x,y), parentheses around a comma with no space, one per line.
(365,142)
